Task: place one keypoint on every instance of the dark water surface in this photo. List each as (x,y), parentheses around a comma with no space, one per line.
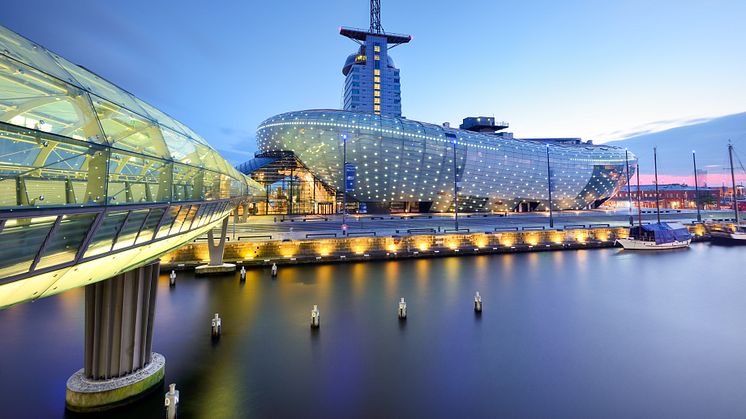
(596,333)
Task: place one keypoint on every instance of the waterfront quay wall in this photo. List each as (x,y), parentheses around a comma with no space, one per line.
(347,249)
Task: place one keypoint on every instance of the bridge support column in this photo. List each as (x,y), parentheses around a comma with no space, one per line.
(216,264)
(245,215)
(119,363)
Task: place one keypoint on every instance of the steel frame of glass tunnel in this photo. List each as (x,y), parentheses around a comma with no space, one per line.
(92,179)
(49,240)
(69,137)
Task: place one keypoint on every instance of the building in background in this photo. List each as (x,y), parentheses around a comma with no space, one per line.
(402,165)
(376,161)
(372,81)
(702,178)
(672,196)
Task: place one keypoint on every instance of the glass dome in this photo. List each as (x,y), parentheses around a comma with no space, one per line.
(69,137)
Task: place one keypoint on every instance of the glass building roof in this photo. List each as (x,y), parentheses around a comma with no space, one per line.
(60,122)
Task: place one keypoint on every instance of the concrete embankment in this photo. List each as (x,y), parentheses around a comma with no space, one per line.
(349,249)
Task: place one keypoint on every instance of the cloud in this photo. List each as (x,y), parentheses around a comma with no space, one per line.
(652,127)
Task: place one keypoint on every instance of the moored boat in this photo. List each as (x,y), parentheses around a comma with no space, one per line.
(658,236)
(725,235)
(735,236)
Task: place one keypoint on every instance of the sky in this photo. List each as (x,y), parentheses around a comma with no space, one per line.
(590,69)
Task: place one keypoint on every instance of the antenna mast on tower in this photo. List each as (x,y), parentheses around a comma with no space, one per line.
(375,16)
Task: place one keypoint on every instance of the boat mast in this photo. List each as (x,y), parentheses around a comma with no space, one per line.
(657,201)
(733,180)
(629,192)
(639,207)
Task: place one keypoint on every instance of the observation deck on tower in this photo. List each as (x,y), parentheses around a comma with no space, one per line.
(361,35)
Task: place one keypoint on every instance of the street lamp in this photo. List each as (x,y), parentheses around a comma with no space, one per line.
(696,186)
(549,187)
(344,183)
(455,183)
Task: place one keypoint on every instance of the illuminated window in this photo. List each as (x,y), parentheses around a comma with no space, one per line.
(377,86)
(376,79)
(377,93)
(376,107)
(377,100)
(376,72)
(376,57)
(377,48)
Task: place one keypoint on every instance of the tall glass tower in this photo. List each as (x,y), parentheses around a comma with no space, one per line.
(372,82)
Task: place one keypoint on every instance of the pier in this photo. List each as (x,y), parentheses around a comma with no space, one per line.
(313,248)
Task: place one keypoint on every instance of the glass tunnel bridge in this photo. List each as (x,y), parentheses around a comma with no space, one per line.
(94,181)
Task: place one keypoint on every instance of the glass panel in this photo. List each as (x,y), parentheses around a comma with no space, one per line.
(32,99)
(168,220)
(104,235)
(225,187)
(150,224)
(136,179)
(182,149)
(179,220)
(204,213)
(21,49)
(99,87)
(21,239)
(189,218)
(199,218)
(127,130)
(211,185)
(66,240)
(129,231)
(160,117)
(184,179)
(41,169)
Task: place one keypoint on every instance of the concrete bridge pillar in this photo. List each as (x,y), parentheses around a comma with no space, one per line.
(216,264)
(119,363)
(245,215)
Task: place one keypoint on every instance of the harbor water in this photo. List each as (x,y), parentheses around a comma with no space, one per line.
(589,333)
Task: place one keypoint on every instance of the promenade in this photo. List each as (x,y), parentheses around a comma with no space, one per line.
(262,228)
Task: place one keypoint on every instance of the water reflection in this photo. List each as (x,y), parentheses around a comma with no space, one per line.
(598,333)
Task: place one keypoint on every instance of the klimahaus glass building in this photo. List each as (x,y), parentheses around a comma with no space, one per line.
(404,165)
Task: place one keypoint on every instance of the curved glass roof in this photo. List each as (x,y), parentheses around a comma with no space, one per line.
(60,122)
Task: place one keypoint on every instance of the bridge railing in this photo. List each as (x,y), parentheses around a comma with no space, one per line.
(41,242)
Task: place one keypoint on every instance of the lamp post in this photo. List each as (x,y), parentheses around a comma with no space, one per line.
(549,187)
(696,186)
(629,191)
(455,184)
(344,184)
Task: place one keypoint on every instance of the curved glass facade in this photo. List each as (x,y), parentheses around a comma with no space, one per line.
(69,137)
(400,160)
(94,181)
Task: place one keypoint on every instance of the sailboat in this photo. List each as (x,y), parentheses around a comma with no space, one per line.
(658,236)
(737,235)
